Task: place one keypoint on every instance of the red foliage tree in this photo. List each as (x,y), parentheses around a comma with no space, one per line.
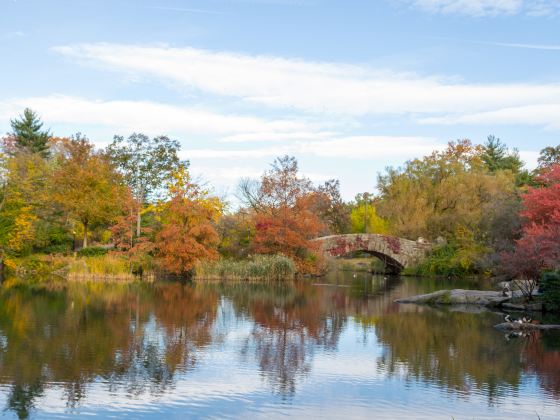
(539,247)
(285,220)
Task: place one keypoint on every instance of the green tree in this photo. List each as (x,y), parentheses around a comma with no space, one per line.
(147,165)
(497,157)
(27,134)
(549,156)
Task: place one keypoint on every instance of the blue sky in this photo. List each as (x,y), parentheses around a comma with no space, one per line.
(348,87)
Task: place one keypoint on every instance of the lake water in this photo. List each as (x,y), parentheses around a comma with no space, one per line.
(332,348)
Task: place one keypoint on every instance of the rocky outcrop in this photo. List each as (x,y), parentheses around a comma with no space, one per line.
(525,326)
(459,297)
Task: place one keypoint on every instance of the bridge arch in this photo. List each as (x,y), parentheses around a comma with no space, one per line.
(397,253)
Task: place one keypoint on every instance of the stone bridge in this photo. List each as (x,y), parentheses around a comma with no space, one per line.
(396,253)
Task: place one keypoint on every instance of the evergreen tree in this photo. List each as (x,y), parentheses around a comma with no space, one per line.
(27,135)
(496,156)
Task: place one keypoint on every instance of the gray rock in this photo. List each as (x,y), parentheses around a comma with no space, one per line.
(459,297)
(516,326)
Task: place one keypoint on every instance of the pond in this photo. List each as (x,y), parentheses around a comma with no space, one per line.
(336,347)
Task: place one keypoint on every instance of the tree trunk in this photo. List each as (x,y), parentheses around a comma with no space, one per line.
(138,222)
(85,243)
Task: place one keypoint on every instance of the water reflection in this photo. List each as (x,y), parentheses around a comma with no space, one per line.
(133,341)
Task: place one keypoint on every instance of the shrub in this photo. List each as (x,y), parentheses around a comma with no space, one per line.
(93,251)
(550,286)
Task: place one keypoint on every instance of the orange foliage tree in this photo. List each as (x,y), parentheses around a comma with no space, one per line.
(85,183)
(187,233)
(283,204)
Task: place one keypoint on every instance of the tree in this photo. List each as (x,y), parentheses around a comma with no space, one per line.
(188,234)
(285,222)
(539,247)
(85,184)
(441,193)
(27,135)
(549,156)
(327,203)
(237,231)
(146,166)
(364,217)
(451,194)
(496,156)
(24,202)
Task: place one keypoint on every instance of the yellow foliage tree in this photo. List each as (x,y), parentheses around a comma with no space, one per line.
(85,184)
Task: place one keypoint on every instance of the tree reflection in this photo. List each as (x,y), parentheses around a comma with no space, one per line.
(290,323)
(133,337)
(460,351)
(542,358)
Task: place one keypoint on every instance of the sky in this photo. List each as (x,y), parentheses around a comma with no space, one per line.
(347,87)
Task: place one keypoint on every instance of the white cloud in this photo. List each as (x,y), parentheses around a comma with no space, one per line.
(320,88)
(353,147)
(538,115)
(145,116)
(488,7)
(530,157)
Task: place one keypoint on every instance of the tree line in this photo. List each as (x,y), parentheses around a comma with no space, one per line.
(484,211)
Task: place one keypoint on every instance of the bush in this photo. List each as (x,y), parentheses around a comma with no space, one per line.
(259,267)
(550,286)
(447,260)
(92,251)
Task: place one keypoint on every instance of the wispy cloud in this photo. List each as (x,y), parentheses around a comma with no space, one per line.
(186,10)
(318,88)
(150,117)
(13,35)
(480,8)
(345,147)
(549,47)
(537,115)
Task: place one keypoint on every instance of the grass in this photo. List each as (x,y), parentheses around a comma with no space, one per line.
(48,268)
(256,268)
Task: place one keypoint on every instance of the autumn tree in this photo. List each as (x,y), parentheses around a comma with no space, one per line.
(27,135)
(285,223)
(146,164)
(539,247)
(364,217)
(24,204)
(450,194)
(328,205)
(443,192)
(188,234)
(85,183)
(237,231)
